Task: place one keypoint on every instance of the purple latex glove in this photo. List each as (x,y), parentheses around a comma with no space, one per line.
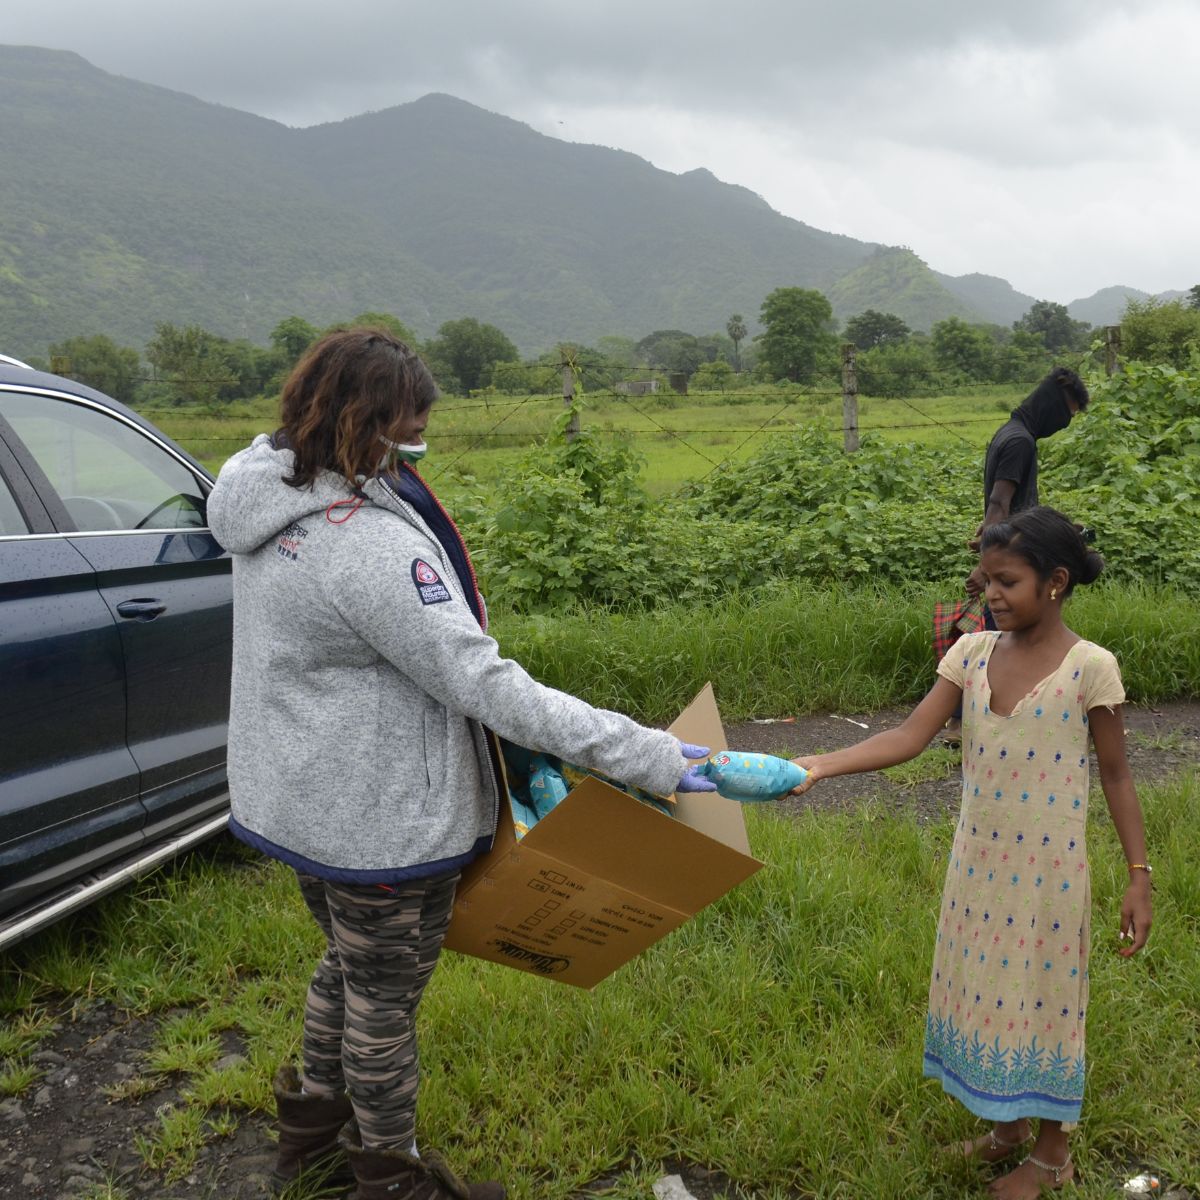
(691,782)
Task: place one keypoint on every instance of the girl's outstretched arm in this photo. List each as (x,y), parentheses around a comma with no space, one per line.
(892,746)
(1108,733)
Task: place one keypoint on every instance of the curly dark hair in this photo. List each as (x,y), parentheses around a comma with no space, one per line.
(350,389)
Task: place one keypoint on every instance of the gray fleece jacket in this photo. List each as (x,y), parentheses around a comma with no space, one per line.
(362,683)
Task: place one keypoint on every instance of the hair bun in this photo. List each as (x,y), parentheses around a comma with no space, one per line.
(1093,564)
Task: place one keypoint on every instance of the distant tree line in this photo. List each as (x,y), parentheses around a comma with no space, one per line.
(798,345)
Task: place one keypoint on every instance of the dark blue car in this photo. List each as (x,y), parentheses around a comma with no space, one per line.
(115,636)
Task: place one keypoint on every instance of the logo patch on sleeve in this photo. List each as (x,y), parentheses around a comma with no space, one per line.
(428,583)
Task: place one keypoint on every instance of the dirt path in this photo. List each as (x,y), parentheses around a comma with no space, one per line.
(68,1134)
(1159,742)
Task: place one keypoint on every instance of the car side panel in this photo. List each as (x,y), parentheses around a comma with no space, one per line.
(177,663)
(68,783)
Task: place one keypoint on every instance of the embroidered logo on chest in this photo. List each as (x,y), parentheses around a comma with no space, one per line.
(287,545)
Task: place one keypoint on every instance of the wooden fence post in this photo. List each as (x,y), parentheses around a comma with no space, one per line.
(849,399)
(1112,348)
(568,379)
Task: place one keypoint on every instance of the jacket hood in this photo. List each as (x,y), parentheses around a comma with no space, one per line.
(251,504)
(1044,411)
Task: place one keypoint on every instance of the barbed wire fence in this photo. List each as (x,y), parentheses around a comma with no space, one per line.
(638,388)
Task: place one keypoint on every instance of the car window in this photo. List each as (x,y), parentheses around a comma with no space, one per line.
(109,475)
(11,521)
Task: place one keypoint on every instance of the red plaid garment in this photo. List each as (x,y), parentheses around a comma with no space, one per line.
(952,619)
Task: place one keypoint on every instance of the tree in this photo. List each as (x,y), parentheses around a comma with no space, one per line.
(617,351)
(736,328)
(797,333)
(252,367)
(524,379)
(1060,331)
(380,320)
(871,329)
(100,363)
(1194,296)
(291,337)
(192,361)
(712,376)
(897,368)
(963,349)
(1021,358)
(464,351)
(672,350)
(1155,331)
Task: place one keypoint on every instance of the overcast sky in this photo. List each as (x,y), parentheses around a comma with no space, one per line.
(1054,143)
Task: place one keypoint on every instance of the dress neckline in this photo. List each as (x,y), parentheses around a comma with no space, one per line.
(1033,691)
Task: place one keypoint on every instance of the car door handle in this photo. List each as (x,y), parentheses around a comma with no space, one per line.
(141,610)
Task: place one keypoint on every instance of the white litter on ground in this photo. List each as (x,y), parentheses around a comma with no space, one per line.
(670,1187)
(1142,1185)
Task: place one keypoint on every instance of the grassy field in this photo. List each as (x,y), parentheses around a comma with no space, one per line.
(681,437)
(799,649)
(776,1037)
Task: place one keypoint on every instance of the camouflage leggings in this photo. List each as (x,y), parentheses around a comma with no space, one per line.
(359,1020)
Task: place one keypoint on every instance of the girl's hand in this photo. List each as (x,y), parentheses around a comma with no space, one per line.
(1135,915)
(812,764)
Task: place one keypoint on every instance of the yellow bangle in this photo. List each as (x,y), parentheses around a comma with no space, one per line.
(1141,867)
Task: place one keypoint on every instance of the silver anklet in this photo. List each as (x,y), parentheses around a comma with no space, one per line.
(1045,1166)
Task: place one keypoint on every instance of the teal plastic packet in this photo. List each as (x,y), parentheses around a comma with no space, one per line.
(538,783)
(749,778)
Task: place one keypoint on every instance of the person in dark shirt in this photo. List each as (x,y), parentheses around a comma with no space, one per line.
(1010,469)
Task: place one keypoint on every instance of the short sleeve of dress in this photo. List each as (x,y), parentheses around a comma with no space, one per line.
(1102,686)
(953,665)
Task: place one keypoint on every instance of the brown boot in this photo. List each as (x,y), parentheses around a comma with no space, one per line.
(308,1134)
(394,1175)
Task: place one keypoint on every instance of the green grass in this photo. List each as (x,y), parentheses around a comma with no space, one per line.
(776,1037)
(17,1078)
(938,762)
(792,649)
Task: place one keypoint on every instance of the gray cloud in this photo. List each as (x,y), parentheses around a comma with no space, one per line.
(1008,138)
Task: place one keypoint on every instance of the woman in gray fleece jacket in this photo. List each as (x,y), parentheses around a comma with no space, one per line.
(364,689)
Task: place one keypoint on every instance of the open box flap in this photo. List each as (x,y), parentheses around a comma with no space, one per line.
(700,724)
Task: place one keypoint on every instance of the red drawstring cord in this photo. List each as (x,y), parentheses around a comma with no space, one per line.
(355,503)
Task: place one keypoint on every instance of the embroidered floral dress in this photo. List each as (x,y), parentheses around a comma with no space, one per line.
(1008,996)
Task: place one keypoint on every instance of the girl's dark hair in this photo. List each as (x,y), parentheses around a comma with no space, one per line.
(350,389)
(1046,539)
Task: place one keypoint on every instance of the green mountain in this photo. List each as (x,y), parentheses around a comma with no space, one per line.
(1106,306)
(994,299)
(554,239)
(893,279)
(124,204)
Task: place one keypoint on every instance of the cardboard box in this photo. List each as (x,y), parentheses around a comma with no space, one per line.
(603,876)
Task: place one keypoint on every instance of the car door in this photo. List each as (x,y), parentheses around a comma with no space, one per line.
(134,509)
(69,787)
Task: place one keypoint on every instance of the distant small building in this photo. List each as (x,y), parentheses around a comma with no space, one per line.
(638,387)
